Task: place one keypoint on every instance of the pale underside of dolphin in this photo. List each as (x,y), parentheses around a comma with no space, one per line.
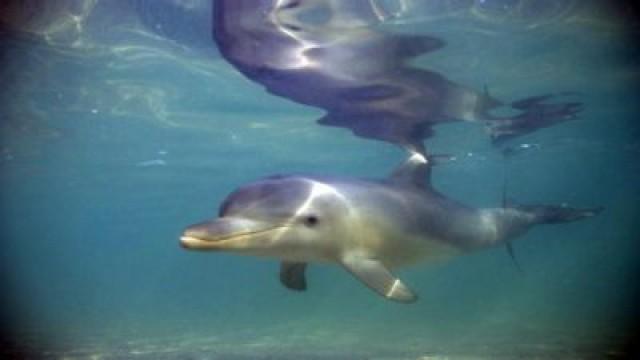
(368,227)
(332,55)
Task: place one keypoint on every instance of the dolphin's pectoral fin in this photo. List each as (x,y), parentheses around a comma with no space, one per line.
(292,275)
(379,278)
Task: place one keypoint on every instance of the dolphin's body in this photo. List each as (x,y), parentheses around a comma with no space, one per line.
(368,227)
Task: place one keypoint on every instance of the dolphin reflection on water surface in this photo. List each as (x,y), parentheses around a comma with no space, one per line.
(327,54)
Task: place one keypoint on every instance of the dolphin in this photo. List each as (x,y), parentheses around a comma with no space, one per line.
(369,227)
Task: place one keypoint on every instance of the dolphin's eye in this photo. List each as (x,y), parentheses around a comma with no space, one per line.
(292,27)
(291,4)
(311,220)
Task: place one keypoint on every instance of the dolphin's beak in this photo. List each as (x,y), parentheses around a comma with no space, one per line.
(226,233)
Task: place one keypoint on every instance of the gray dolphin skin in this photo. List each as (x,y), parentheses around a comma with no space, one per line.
(368,227)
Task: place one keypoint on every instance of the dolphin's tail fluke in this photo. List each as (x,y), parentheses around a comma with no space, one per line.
(536,112)
(517,219)
(557,214)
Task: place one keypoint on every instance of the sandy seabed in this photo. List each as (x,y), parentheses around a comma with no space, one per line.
(322,345)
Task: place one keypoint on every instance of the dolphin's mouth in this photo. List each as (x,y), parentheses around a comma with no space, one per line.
(229,236)
(223,234)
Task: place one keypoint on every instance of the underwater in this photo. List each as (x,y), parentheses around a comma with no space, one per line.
(319,179)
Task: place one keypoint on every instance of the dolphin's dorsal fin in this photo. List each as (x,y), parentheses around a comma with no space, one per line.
(413,171)
(416,170)
(378,278)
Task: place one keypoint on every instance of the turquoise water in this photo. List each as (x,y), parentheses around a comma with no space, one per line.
(116,133)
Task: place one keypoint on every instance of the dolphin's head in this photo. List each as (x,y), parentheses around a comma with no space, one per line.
(294,218)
